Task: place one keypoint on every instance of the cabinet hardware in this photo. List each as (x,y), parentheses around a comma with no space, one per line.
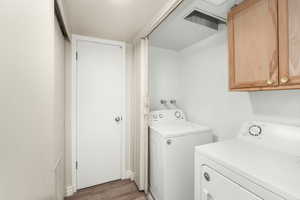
(284,80)
(270,82)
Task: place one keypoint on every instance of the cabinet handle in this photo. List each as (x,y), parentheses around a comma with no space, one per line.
(270,82)
(284,80)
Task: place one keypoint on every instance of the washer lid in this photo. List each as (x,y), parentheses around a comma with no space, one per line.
(178,128)
(275,170)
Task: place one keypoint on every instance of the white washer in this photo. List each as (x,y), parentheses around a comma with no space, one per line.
(263,162)
(172,145)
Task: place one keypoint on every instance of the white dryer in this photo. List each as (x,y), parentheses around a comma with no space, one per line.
(262,163)
(172,146)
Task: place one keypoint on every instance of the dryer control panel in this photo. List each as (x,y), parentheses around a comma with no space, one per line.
(284,138)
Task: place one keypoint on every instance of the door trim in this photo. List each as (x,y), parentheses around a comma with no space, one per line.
(74,105)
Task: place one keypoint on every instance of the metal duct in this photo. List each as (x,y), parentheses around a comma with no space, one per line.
(204,19)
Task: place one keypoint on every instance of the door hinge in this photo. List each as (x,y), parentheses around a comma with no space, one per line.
(76,55)
(76,165)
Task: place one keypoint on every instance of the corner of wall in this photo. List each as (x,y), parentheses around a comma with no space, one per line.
(70,190)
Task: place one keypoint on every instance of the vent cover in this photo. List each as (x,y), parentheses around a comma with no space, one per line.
(204,19)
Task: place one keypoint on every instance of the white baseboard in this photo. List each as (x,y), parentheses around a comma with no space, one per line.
(59,178)
(130,175)
(149,196)
(70,190)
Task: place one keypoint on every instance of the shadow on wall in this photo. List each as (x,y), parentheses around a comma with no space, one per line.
(277,106)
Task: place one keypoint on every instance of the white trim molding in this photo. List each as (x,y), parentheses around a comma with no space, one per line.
(130,175)
(70,190)
(74,118)
(59,177)
(168,8)
(149,196)
(64,22)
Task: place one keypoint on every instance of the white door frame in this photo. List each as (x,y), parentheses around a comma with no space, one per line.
(142,36)
(74,102)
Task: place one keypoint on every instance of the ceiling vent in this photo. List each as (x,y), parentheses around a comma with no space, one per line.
(204,19)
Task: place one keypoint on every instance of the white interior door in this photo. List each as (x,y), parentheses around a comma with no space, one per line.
(100,105)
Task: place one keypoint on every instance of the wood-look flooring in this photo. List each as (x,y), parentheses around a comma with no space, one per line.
(117,190)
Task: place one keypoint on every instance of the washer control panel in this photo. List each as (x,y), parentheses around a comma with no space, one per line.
(166,115)
(177,114)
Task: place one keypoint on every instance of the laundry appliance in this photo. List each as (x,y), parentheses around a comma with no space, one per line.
(261,163)
(172,145)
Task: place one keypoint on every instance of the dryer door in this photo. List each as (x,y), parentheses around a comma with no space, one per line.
(217,187)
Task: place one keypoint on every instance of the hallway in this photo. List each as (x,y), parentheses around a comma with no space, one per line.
(117,190)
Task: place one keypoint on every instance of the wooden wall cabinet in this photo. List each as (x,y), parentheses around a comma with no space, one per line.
(264,45)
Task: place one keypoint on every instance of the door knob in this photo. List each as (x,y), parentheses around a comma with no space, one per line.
(206,176)
(284,80)
(118,119)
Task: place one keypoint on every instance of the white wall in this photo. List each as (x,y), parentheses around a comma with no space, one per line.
(204,95)
(69,182)
(30,100)
(59,112)
(163,76)
(276,106)
(204,88)
(130,82)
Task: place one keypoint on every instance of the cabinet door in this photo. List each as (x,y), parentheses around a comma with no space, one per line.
(289,42)
(253,44)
